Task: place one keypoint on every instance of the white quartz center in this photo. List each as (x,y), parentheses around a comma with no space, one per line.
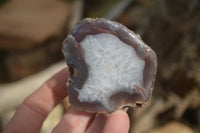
(113,66)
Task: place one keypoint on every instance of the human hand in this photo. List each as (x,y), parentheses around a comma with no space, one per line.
(33,111)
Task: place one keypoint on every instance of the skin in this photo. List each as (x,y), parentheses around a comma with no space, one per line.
(33,111)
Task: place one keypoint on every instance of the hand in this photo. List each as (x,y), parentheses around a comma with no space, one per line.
(33,111)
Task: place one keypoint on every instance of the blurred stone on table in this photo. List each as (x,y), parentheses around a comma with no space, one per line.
(173,127)
(27,23)
(31,34)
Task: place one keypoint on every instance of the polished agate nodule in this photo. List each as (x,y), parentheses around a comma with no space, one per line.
(110,66)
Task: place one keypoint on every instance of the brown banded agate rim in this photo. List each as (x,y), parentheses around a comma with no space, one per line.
(110,66)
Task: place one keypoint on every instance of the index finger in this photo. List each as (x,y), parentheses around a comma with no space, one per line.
(33,111)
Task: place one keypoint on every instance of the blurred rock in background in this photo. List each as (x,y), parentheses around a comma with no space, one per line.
(30,35)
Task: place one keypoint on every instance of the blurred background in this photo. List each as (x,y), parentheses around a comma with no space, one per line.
(32,31)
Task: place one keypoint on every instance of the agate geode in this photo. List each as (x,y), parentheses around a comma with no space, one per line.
(110,66)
